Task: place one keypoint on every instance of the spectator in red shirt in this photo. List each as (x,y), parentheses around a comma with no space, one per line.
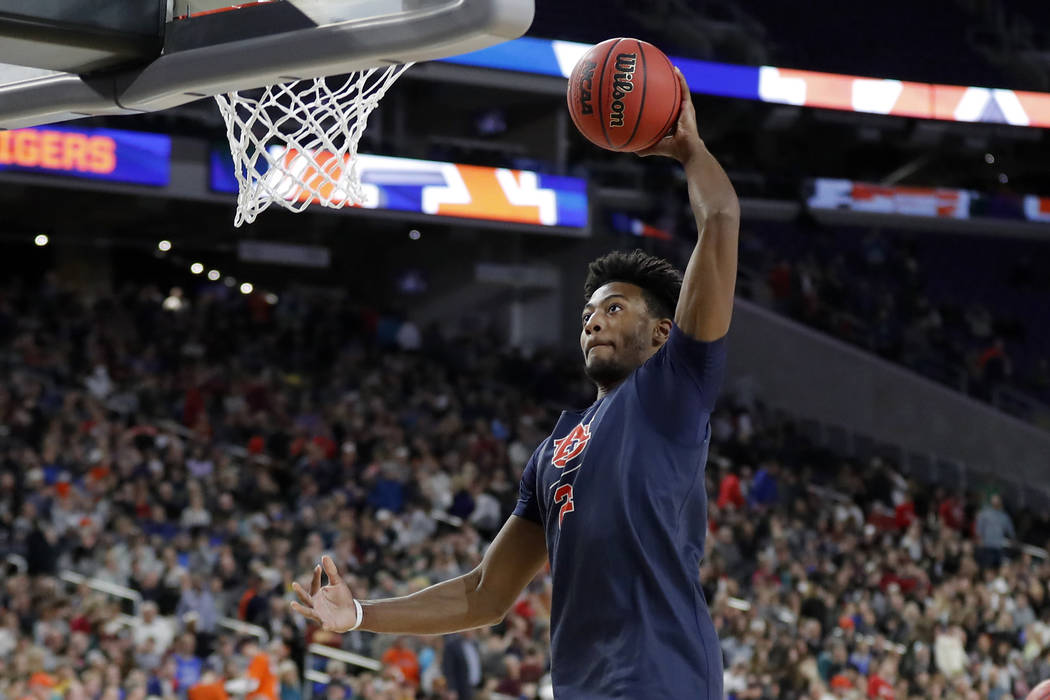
(880,682)
(952,513)
(729,491)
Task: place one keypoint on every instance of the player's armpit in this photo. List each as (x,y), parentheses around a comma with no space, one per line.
(511,561)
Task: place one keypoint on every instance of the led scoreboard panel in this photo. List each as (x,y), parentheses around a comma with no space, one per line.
(97,154)
(436,188)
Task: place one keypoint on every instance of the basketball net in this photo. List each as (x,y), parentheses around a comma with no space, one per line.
(295,144)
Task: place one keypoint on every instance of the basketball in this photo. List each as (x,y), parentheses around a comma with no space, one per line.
(1040,692)
(624,95)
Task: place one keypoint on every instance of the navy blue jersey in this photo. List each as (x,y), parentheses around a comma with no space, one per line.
(619,490)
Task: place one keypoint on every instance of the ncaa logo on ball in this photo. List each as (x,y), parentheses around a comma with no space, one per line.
(623,83)
(586,83)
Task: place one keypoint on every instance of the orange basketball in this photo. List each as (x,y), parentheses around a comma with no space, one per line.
(1040,692)
(624,95)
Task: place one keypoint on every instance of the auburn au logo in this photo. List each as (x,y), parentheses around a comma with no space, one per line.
(570,446)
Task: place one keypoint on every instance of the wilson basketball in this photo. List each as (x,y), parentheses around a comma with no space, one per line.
(624,95)
(1040,692)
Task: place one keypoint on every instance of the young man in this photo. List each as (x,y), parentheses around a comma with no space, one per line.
(615,496)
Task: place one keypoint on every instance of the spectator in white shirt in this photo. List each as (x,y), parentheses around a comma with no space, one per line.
(152,626)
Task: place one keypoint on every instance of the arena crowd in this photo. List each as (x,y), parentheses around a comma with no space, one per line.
(914,300)
(205,449)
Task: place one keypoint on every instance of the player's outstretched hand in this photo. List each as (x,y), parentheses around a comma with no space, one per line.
(685,140)
(332,607)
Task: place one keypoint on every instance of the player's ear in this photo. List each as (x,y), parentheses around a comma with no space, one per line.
(661,332)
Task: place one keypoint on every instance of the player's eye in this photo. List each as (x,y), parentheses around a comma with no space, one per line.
(614,306)
(586,316)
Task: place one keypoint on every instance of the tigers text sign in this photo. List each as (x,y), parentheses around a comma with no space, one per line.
(97,154)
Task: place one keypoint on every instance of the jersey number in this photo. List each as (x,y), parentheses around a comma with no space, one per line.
(564,493)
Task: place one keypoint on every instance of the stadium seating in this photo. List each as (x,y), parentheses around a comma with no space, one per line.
(917,300)
(168,472)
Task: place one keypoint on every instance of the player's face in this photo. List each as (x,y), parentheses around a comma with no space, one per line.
(617,333)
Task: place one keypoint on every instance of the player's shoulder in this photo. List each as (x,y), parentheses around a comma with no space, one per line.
(680,348)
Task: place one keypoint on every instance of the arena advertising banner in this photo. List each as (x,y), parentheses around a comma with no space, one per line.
(795,87)
(929,202)
(95,154)
(436,188)
(1037,208)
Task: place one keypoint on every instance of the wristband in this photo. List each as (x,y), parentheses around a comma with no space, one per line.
(360,615)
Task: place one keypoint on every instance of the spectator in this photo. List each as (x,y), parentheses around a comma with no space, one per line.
(763,491)
(210,687)
(188,666)
(152,626)
(461,664)
(729,492)
(261,668)
(994,531)
(951,512)
(198,601)
(403,658)
(289,681)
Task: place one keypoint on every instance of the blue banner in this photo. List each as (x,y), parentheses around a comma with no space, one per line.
(557,58)
(95,154)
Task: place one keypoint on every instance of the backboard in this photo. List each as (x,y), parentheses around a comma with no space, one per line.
(156,54)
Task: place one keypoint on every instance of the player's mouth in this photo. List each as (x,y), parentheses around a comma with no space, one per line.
(592,346)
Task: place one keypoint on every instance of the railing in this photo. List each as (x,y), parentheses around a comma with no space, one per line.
(111,589)
(245,628)
(925,467)
(814,376)
(1032,551)
(347,657)
(135,598)
(1020,404)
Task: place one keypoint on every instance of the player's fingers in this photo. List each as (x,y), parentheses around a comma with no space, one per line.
(306,612)
(687,111)
(331,570)
(315,583)
(307,599)
(683,82)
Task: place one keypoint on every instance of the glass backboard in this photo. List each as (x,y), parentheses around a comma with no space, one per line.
(204,48)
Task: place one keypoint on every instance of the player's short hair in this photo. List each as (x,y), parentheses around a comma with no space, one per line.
(661,283)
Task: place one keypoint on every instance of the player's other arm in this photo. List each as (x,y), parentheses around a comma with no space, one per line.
(475,599)
(706,302)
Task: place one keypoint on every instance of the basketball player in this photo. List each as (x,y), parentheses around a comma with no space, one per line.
(615,497)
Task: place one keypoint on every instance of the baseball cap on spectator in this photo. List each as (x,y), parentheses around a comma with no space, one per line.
(840,681)
(42,679)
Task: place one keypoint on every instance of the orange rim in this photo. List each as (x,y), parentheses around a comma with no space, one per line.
(218,10)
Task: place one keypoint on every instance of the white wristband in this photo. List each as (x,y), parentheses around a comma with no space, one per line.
(360,615)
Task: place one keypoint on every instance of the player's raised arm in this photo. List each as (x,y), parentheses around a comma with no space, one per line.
(476,599)
(706,302)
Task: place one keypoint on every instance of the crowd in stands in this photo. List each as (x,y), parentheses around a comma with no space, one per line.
(972,324)
(206,451)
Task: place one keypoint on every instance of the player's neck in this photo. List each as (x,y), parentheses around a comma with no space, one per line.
(604,391)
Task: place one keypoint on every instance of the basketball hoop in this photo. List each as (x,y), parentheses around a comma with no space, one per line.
(295,143)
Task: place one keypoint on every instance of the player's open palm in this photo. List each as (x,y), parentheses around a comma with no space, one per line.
(332,606)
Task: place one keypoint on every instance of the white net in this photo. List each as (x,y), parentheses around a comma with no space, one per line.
(295,143)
